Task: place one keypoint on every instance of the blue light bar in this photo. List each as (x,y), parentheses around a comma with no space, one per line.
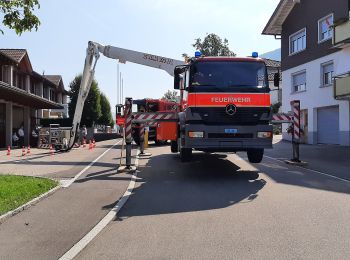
(197,54)
(255,54)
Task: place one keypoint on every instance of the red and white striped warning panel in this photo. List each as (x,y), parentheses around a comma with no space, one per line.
(296,118)
(282,118)
(152,124)
(159,116)
(44,146)
(128,118)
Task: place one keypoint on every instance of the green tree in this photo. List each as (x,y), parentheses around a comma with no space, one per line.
(276,107)
(106,114)
(92,107)
(212,45)
(18,15)
(170,95)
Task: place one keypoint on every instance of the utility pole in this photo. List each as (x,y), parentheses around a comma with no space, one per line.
(122,89)
(118,97)
(120,84)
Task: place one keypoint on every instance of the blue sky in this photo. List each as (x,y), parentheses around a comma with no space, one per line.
(163,27)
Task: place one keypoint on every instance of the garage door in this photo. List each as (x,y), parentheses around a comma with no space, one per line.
(328,125)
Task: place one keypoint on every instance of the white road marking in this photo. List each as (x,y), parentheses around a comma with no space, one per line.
(70,182)
(78,247)
(315,171)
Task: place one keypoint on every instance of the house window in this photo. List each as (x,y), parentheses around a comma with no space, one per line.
(52,95)
(32,87)
(325,29)
(297,42)
(46,93)
(327,73)
(299,81)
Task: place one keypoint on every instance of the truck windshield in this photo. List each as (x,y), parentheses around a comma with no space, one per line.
(228,76)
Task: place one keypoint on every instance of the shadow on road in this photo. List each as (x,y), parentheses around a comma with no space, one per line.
(283,173)
(208,182)
(330,159)
(105,175)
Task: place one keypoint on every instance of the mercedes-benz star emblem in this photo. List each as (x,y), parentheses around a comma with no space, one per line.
(231,109)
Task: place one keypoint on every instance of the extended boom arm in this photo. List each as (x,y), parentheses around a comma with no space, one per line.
(123,55)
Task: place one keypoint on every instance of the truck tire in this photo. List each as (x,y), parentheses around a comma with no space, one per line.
(185,154)
(174,147)
(255,155)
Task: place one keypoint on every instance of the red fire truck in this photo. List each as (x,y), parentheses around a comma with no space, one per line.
(225,101)
(225,106)
(159,132)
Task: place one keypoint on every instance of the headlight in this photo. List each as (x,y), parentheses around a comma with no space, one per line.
(196,134)
(264,134)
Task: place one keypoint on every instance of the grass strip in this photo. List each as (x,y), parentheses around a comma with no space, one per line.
(18,190)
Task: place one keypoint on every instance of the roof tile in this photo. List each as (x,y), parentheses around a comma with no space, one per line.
(55,79)
(15,54)
(272,63)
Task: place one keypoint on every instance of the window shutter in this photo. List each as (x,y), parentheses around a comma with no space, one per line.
(299,79)
(328,68)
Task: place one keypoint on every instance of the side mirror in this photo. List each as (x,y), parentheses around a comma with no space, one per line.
(177,81)
(276,80)
(118,109)
(177,75)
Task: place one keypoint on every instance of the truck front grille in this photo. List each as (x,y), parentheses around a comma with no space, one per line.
(223,135)
(217,115)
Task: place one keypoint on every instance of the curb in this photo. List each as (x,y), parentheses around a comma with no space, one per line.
(34,201)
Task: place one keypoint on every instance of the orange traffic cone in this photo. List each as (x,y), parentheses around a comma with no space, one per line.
(90,145)
(8,150)
(28,150)
(84,142)
(94,143)
(23,151)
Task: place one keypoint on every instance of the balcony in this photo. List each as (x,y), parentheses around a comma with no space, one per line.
(57,112)
(341,34)
(342,86)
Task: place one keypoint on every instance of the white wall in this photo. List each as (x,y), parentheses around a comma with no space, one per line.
(316,96)
(273,93)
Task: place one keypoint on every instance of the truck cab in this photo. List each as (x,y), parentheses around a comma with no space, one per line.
(225,106)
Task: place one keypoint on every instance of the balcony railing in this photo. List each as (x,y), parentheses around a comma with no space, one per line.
(341,33)
(342,86)
(64,110)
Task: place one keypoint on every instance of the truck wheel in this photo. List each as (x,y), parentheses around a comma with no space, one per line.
(185,154)
(255,155)
(173,147)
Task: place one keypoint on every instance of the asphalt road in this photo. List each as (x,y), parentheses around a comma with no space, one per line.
(51,227)
(221,207)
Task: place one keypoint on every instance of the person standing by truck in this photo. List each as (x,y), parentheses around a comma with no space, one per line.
(35,136)
(14,139)
(20,133)
(84,132)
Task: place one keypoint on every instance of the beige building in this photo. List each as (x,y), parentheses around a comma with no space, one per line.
(26,96)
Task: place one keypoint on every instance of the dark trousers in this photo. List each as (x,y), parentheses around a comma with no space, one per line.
(21,141)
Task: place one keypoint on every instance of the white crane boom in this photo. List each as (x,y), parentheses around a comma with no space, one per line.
(150,60)
(123,55)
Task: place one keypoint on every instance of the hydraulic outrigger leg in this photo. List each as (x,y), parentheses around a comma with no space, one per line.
(92,55)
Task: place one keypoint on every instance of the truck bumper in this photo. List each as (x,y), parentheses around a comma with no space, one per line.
(215,139)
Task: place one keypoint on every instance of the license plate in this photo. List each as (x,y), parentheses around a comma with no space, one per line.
(231,131)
